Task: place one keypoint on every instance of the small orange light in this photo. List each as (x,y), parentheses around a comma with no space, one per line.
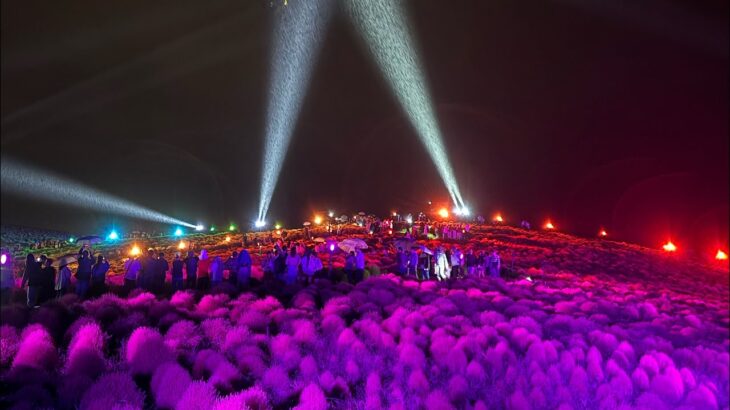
(444,213)
(317,220)
(549,225)
(135,250)
(390,232)
(720,255)
(228,238)
(602,233)
(181,245)
(669,247)
(498,218)
(278,231)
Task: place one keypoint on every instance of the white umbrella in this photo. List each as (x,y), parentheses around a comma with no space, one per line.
(349,245)
(64,260)
(88,240)
(307,223)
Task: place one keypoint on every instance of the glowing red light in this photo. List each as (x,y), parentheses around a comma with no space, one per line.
(720,255)
(444,213)
(549,225)
(670,247)
(602,233)
(498,218)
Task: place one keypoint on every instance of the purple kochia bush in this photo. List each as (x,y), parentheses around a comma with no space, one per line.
(9,341)
(169,383)
(36,349)
(146,351)
(113,391)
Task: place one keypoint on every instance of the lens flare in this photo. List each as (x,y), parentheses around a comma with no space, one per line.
(299,30)
(384,26)
(21,179)
(669,247)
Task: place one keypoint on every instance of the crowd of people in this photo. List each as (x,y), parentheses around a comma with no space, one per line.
(286,261)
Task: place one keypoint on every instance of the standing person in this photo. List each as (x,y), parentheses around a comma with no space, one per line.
(441,265)
(471,263)
(216,271)
(424,263)
(401,261)
(267,264)
(161,268)
(191,268)
(32,277)
(83,273)
(177,273)
(244,268)
(49,281)
(350,262)
(7,278)
(413,262)
(144,277)
(98,276)
(495,264)
(280,263)
(456,256)
(292,267)
(63,281)
(359,265)
(481,264)
(132,268)
(311,264)
(204,271)
(231,266)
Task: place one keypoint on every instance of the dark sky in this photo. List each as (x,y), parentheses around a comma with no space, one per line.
(578,110)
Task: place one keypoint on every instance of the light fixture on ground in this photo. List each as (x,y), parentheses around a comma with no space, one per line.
(298,33)
(31,182)
(384,26)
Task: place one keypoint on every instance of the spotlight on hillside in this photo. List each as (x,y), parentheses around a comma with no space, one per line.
(602,233)
(549,226)
(113,236)
(384,26)
(178,232)
(260,223)
(199,227)
(31,182)
(298,33)
(135,251)
(720,255)
(498,219)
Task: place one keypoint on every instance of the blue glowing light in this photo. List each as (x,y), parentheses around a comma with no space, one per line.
(384,26)
(113,236)
(178,232)
(298,34)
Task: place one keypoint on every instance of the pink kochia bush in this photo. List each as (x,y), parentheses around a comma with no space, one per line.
(146,350)
(36,349)
(636,333)
(86,352)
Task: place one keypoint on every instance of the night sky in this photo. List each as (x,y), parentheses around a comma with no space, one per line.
(590,114)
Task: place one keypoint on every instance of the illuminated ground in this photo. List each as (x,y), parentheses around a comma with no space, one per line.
(601,325)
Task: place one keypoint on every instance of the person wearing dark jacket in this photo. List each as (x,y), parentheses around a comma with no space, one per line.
(231,265)
(48,290)
(98,275)
(83,273)
(177,273)
(161,272)
(147,274)
(191,267)
(32,276)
